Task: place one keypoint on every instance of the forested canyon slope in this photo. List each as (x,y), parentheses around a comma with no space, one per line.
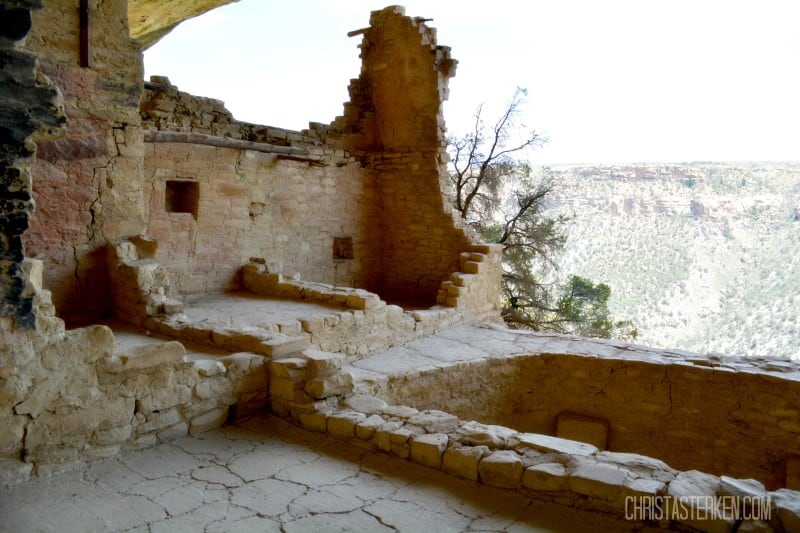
(700,256)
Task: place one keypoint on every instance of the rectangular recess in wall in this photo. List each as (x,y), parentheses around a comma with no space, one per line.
(182,196)
(342,247)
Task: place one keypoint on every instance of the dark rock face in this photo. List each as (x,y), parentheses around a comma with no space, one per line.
(26,106)
(15,22)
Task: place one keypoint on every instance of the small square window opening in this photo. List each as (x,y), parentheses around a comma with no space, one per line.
(182,196)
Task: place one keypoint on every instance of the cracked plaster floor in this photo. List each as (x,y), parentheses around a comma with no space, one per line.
(263,474)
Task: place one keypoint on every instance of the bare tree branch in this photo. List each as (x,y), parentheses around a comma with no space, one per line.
(496,195)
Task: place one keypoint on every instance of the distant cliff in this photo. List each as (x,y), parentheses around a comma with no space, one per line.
(700,256)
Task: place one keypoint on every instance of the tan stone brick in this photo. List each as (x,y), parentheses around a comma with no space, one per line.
(787,508)
(215,387)
(164,397)
(428,449)
(546,477)
(383,435)
(157,421)
(313,325)
(463,460)
(314,421)
(283,389)
(599,481)
(208,421)
(149,355)
(338,384)
(292,368)
(112,436)
(323,364)
(367,429)
(501,469)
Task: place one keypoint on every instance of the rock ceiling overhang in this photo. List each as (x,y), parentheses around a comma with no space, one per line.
(150,20)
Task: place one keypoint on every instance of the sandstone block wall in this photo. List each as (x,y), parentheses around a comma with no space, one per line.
(254,204)
(362,202)
(377,175)
(726,416)
(394,122)
(543,467)
(87,185)
(71,396)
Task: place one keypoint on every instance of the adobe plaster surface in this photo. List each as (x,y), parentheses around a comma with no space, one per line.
(263,474)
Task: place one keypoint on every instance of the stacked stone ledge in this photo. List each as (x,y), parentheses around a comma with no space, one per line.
(474,288)
(378,325)
(166,109)
(140,285)
(545,468)
(73,398)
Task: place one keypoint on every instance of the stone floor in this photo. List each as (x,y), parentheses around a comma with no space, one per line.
(237,310)
(264,475)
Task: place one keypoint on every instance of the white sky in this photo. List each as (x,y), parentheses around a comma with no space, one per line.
(608,80)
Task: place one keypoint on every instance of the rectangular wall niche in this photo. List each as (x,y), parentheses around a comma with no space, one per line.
(342,247)
(182,196)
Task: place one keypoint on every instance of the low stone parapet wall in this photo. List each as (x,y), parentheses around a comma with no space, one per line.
(644,490)
(366,324)
(732,415)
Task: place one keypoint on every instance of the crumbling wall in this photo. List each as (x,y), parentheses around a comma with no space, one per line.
(30,109)
(394,122)
(70,396)
(87,185)
(303,206)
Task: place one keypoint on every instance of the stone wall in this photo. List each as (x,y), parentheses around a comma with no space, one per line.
(87,185)
(732,416)
(646,492)
(376,176)
(72,396)
(394,122)
(288,208)
(362,202)
(30,110)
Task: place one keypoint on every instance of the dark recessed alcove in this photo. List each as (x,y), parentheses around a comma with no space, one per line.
(343,248)
(182,197)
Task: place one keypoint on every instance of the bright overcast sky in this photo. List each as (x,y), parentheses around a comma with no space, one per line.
(607,80)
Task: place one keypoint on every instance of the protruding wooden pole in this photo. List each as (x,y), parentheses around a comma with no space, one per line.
(84,33)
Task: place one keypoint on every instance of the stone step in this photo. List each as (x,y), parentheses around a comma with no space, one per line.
(285,346)
(145,356)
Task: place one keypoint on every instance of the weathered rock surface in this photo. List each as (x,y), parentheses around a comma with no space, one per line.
(150,20)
